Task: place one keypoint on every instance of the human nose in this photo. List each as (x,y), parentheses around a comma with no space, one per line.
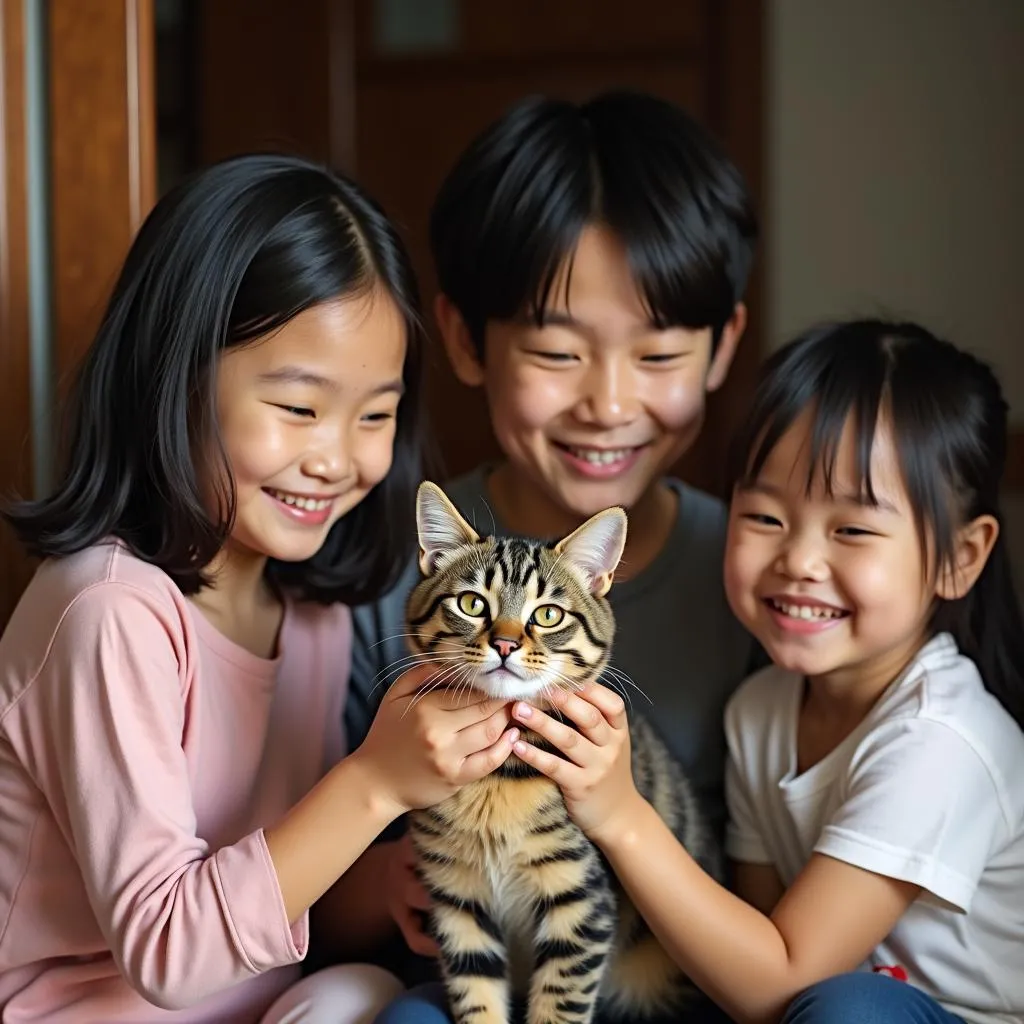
(802,557)
(610,395)
(331,458)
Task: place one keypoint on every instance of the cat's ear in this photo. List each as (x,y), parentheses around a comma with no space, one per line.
(440,527)
(596,547)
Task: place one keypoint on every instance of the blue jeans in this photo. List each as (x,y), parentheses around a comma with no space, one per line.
(427,1004)
(863,998)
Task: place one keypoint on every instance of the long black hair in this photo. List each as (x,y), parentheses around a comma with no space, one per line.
(232,252)
(948,418)
(511,210)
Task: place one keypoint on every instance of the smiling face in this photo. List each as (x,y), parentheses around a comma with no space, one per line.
(592,408)
(307,420)
(829,582)
(510,617)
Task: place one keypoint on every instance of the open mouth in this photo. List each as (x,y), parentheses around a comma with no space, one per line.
(599,461)
(806,612)
(301,508)
(298,501)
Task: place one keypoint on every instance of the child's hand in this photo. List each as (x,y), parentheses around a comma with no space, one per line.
(595,776)
(408,900)
(424,746)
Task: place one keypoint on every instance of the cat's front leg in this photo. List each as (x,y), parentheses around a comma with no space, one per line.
(474,961)
(575,929)
(473,954)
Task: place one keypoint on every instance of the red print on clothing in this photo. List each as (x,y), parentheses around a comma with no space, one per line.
(895,971)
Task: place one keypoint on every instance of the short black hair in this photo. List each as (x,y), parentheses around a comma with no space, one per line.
(511,210)
(233,252)
(948,417)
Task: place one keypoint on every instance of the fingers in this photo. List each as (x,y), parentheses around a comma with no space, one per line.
(479,734)
(556,768)
(579,748)
(483,762)
(608,702)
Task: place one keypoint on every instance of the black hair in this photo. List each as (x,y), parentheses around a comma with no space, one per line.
(511,210)
(233,252)
(948,419)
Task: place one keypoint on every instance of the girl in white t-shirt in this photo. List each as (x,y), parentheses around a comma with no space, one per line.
(876,768)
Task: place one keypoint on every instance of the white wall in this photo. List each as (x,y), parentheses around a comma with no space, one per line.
(896,174)
(896,168)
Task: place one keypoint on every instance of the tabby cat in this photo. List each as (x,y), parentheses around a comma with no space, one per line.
(525,907)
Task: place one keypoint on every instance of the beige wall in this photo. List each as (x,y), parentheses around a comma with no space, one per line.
(896,173)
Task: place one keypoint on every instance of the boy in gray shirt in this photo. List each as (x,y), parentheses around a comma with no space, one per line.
(592,260)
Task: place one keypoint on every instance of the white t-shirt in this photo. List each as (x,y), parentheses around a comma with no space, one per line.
(929,789)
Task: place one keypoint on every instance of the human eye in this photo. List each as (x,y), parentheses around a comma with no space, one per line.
(761,519)
(552,356)
(661,358)
(301,411)
(376,418)
(856,531)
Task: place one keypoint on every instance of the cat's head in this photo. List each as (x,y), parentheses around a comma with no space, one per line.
(514,618)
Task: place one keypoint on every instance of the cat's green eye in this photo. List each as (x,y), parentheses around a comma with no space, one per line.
(548,615)
(472,604)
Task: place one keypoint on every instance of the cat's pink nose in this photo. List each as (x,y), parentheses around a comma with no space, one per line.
(504,645)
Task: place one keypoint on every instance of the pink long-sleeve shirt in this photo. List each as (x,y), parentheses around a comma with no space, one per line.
(141,755)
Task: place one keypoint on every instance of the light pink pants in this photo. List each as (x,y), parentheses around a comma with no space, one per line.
(345,994)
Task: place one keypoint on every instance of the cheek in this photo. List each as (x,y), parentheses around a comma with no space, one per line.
(746,558)
(886,578)
(376,455)
(677,401)
(255,444)
(526,401)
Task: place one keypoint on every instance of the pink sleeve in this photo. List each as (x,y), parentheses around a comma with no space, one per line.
(100,729)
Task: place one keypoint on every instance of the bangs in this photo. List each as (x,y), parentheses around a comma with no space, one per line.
(506,222)
(838,395)
(845,378)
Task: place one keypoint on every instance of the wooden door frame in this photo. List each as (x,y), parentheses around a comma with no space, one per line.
(101,183)
(15,328)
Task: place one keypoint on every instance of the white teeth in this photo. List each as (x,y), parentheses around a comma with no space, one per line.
(803,611)
(306,504)
(601,458)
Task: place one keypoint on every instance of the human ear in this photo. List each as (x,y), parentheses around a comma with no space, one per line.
(973,545)
(458,343)
(731,334)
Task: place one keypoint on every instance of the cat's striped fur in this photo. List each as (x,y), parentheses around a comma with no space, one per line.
(524,904)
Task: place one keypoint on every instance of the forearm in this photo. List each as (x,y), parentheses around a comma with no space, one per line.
(733,952)
(324,834)
(352,919)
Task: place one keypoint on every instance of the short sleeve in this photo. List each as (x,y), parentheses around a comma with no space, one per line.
(743,842)
(744,710)
(100,729)
(921,806)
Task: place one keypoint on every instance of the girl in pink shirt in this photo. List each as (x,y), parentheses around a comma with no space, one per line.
(241,454)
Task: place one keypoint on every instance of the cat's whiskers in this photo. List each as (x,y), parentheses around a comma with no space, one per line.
(423,637)
(621,677)
(413,661)
(438,682)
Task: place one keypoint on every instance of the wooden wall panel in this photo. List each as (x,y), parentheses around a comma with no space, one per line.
(15,382)
(103,170)
(276,76)
(416,112)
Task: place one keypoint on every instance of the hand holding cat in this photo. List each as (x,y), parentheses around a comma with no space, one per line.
(595,775)
(408,899)
(425,744)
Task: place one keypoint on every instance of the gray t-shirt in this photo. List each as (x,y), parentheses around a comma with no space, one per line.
(676,637)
